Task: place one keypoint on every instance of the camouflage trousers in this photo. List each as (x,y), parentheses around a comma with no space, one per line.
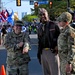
(17,70)
(63,67)
(73,65)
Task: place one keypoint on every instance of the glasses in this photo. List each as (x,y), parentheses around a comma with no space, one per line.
(41,14)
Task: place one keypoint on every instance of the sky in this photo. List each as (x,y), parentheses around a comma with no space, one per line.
(11,4)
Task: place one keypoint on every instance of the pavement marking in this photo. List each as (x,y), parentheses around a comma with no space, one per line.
(34,44)
(33,57)
(2,47)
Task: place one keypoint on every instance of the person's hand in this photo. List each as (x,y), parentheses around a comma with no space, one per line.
(68,68)
(20,44)
(25,50)
(56,50)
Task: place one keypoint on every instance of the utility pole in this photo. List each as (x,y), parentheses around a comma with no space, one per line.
(68,7)
(0,5)
(68,3)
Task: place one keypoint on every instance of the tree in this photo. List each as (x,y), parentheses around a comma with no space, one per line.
(29,18)
(57,7)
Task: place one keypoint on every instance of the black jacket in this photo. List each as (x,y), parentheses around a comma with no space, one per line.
(47,37)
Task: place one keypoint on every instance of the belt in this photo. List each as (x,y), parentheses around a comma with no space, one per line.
(46,48)
(52,50)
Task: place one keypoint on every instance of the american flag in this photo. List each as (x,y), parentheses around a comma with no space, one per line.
(2,19)
(5,14)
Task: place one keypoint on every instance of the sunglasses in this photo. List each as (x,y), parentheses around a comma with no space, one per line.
(42,14)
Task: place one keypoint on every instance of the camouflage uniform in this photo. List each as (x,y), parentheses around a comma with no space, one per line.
(64,49)
(73,48)
(17,62)
(64,43)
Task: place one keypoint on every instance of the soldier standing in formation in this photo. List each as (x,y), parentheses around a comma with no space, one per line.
(64,43)
(17,45)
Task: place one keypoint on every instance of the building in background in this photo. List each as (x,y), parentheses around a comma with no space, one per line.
(23,14)
(25,6)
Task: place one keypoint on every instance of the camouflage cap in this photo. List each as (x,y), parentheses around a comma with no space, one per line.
(65,17)
(18,22)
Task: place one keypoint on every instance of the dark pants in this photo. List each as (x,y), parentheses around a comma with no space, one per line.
(50,62)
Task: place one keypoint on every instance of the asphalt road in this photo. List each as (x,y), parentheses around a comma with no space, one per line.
(34,66)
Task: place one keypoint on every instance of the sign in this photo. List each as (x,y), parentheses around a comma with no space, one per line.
(42,2)
(31,2)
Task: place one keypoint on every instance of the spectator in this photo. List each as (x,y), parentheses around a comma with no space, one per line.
(48,33)
(9,28)
(3,34)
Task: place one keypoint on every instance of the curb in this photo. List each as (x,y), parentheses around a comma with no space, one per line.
(1,47)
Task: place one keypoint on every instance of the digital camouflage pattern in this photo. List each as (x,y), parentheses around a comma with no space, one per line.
(15,57)
(64,49)
(72,30)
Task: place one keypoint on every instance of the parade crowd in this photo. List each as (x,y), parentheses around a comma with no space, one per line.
(56,47)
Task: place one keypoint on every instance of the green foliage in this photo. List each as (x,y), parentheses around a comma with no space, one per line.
(57,8)
(29,18)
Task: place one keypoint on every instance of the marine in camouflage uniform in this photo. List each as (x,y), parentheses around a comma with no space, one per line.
(72,30)
(17,46)
(64,42)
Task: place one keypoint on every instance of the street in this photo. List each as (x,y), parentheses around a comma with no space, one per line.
(34,66)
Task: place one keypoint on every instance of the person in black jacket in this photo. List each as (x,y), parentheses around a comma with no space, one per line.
(3,34)
(48,33)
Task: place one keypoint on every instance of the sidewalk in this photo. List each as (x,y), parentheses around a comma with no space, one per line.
(1,47)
